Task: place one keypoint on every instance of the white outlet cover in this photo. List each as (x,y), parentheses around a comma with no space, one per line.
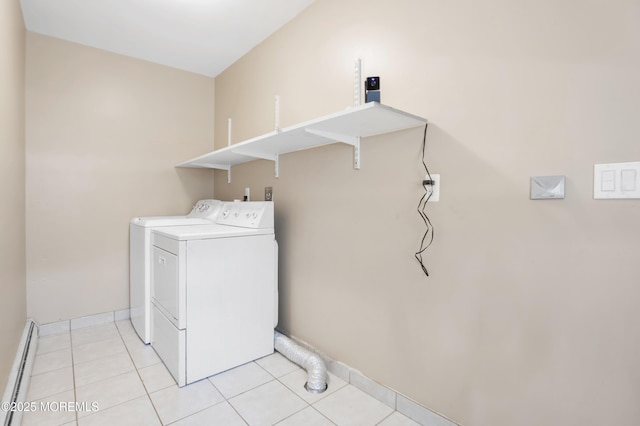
(435,196)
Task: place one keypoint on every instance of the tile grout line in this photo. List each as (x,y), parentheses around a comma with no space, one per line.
(286,387)
(73,370)
(227,401)
(309,404)
(138,373)
(75,387)
(122,333)
(49,395)
(117,375)
(386,417)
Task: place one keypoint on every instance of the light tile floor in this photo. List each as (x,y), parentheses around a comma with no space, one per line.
(107,376)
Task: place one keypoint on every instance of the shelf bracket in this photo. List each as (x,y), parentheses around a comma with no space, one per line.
(348,139)
(265,156)
(358,79)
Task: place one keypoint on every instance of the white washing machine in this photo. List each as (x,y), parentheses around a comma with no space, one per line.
(204,212)
(215,292)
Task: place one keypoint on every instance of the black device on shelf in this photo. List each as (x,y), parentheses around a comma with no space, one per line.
(372,89)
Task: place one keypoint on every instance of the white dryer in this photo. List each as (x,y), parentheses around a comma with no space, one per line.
(204,212)
(215,292)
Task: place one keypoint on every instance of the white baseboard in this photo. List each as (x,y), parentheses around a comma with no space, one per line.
(15,392)
(382,393)
(82,322)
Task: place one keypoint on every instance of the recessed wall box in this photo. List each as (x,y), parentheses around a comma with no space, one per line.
(547,187)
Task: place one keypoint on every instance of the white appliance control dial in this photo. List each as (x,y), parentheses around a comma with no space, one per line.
(206,209)
(251,214)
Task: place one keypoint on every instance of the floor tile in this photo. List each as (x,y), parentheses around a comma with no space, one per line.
(296,380)
(132,341)
(156,377)
(111,392)
(397,419)
(54,328)
(96,350)
(127,331)
(308,417)
(124,324)
(351,406)
(103,368)
(50,383)
(50,417)
(267,404)
(420,414)
(174,403)
(109,364)
(240,379)
(375,389)
(51,361)
(92,320)
(219,414)
(144,356)
(53,343)
(137,412)
(83,336)
(122,315)
(277,365)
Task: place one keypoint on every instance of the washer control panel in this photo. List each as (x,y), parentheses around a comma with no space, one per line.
(208,209)
(250,214)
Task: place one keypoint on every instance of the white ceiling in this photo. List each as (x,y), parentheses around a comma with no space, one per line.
(201,36)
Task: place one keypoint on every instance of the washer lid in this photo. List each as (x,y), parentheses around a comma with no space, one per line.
(152,221)
(202,232)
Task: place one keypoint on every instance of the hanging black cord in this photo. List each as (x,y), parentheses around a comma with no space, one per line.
(422,204)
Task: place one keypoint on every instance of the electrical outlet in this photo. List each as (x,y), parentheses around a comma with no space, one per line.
(268,193)
(435,188)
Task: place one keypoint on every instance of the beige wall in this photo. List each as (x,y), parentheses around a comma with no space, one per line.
(103,135)
(12,176)
(530,315)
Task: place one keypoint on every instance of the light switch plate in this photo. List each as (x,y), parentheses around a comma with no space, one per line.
(616,180)
(547,187)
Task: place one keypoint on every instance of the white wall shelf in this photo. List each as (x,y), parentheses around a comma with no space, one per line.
(347,127)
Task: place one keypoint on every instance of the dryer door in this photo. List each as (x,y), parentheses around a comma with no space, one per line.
(166,284)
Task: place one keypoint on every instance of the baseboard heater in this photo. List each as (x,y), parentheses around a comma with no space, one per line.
(15,392)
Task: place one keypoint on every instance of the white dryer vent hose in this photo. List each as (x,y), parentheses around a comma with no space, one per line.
(316,369)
